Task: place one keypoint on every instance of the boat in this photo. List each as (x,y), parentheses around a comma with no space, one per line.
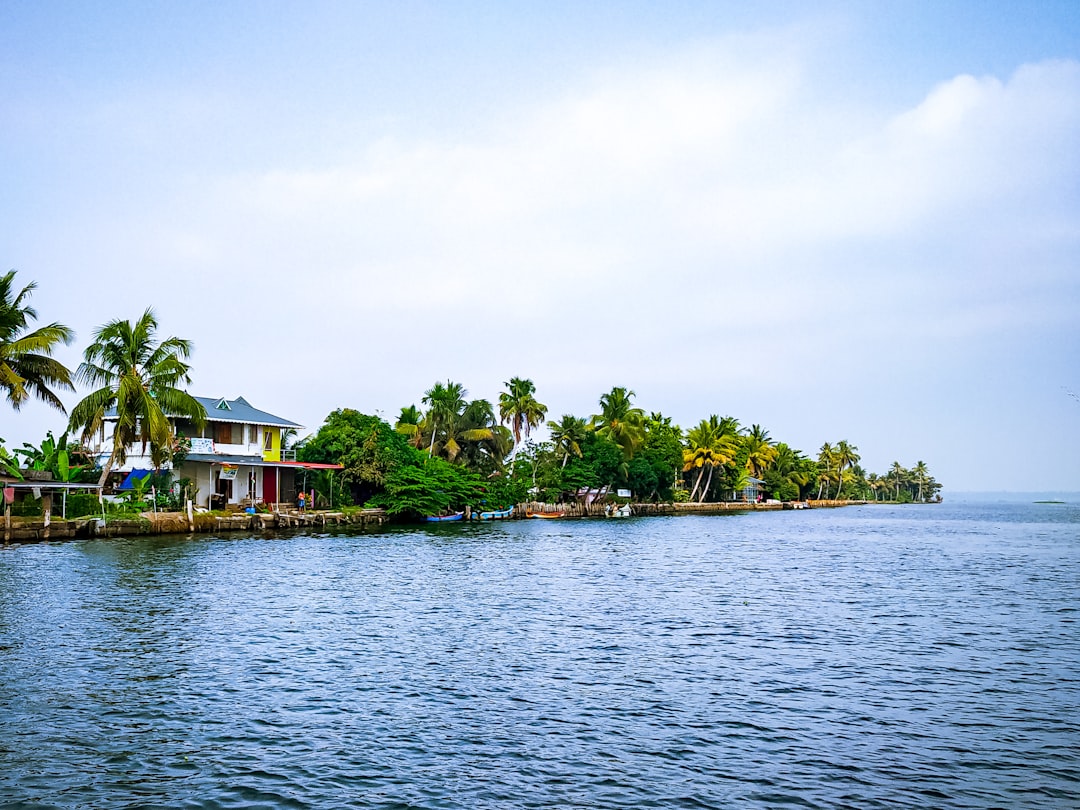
(444,518)
(544,514)
(498,514)
(621,512)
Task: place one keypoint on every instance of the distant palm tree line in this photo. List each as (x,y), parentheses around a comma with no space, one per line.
(136,380)
(715,460)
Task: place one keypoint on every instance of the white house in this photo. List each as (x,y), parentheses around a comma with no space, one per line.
(236,458)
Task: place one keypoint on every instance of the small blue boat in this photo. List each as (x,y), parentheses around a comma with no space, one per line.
(444,518)
(499,514)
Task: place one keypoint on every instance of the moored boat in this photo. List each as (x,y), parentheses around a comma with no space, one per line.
(498,514)
(444,518)
(544,514)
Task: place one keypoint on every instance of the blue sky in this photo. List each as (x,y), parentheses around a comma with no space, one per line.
(849,221)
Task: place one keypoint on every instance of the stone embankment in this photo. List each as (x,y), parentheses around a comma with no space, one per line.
(29,530)
(652,509)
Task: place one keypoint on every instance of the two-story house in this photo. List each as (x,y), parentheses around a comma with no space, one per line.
(235,458)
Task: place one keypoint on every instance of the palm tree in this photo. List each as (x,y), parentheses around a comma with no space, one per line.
(898,474)
(826,457)
(520,408)
(760,450)
(136,378)
(445,403)
(920,474)
(567,435)
(709,445)
(793,466)
(26,364)
(874,482)
(410,424)
(846,456)
(620,421)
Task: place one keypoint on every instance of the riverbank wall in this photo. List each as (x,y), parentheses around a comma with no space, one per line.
(656,509)
(32,530)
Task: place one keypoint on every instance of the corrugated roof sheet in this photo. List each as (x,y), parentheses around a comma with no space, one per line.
(237,410)
(240,410)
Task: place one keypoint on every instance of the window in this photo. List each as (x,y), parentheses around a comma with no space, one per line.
(268,440)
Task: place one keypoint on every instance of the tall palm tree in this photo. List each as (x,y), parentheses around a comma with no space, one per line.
(620,421)
(136,377)
(26,364)
(519,407)
(759,449)
(567,435)
(445,403)
(874,482)
(898,474)
(826,461)
(846,456)
(920,475)
(710,444)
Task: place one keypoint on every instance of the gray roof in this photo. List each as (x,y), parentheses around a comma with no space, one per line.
(240,410)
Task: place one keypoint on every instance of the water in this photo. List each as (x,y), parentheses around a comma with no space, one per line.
(862,657)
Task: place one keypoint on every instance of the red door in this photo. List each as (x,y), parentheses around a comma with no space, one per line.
(269,485)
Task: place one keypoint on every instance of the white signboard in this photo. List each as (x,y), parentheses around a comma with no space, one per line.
(202,445)
(623,493)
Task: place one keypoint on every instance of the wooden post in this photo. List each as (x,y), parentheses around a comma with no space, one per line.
(7,523)
(46,510)
(190,517)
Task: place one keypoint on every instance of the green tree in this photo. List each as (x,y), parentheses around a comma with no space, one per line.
(620,421)
(366,446)
(790,475)
(662,450)
(26,364)
(445,403)
(135,377)
(567,435)
(759,449)
(9,465)
(920,476)
(410,423)
(432,489)
(897,476)
(518,406)
(826,466)
(711,444)
(846,456)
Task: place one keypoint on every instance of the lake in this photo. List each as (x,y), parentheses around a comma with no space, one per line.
(871,656)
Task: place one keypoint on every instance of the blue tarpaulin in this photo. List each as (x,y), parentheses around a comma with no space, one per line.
(134,474)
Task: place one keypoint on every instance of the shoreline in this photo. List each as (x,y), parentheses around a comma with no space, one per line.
(25,530)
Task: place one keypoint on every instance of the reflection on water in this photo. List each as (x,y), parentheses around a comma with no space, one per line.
(864,657)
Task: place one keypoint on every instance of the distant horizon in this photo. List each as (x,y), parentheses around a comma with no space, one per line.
(1067,495)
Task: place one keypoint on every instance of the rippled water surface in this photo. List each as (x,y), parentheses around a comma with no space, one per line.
(859,657)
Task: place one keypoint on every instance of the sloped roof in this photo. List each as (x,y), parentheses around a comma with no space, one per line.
(233,410)
(240,410)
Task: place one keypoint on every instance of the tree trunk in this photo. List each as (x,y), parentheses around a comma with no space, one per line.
(708,483)
(106,470)
(697,483)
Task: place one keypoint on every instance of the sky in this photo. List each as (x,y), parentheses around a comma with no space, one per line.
(845,220)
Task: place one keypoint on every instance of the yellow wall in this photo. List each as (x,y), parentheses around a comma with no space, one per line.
(274,453)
